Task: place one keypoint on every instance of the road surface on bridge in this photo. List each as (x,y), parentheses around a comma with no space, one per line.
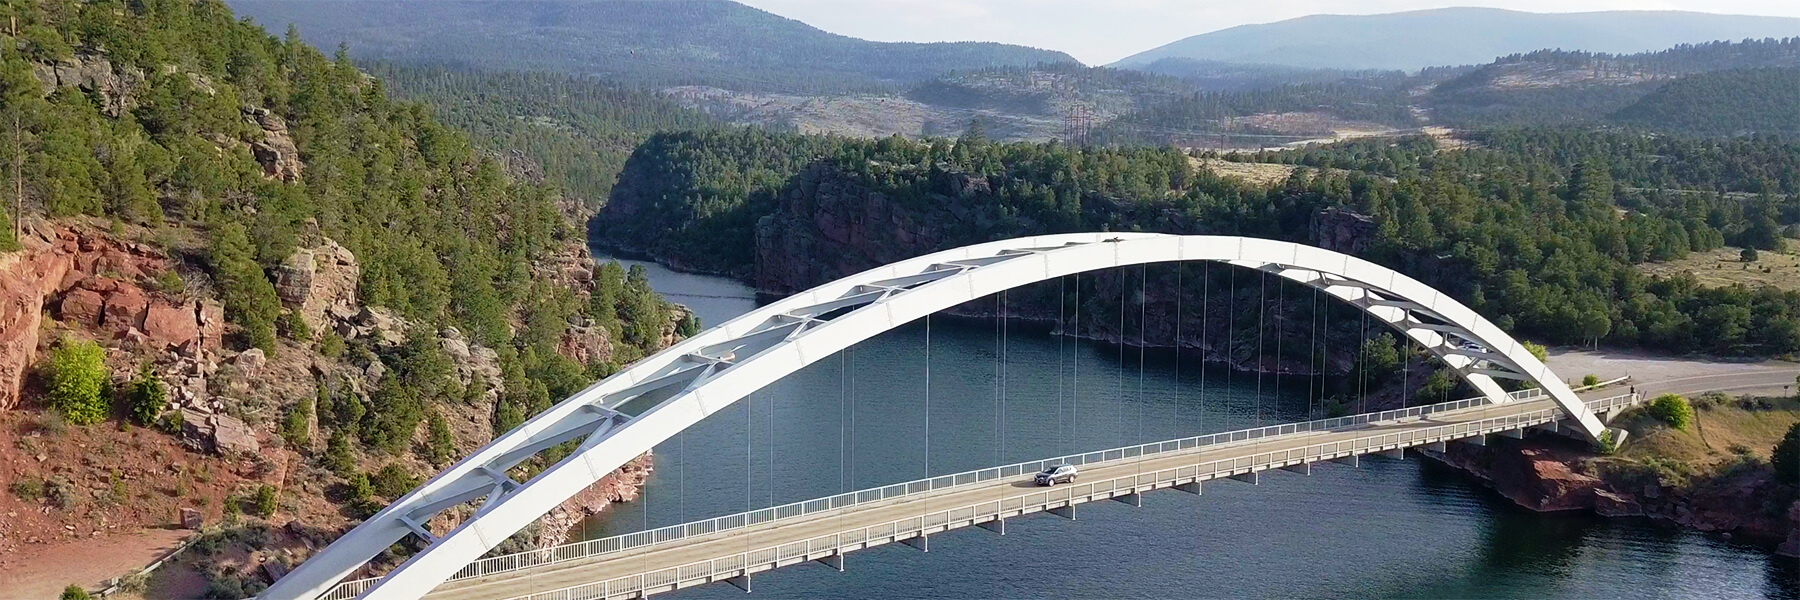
(652,558)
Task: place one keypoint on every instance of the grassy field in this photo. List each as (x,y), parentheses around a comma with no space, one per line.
(1724,267)
(1724,427)
(1265,174)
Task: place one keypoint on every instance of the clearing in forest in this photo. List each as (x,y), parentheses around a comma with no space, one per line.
(1725,266)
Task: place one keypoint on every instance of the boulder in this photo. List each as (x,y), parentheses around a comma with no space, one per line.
(250,361)
(217,433)
(192,519)
(279,156)
(82,307)
(96,75)
(168,325)
(232,436)
(1611,504)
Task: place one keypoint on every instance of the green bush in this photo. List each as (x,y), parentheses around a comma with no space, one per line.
(1786,457)
(147,398)
(1590,380)
(392,481)
(264,502)
(171,283)
(440,444)
(1672,409)
(29,490)
(8,242)
(295,328)
(74,592)
(78,381)
(296,426)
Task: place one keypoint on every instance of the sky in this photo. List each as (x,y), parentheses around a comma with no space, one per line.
(1098,32)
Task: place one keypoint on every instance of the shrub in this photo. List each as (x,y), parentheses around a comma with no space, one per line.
(1609,443)
(295,328)
(60,492)
(171,283)
(147,397)
(1538,350)
(78,381)
(296,427)
(171,423)
(339,457)
(1672,409)
(360,487)
(393,481)
(1590,380)
(1747,255)
(29,490)
(1786,457)
(331,345)
(8,242)
(74,592)
(264,501)
(440,444)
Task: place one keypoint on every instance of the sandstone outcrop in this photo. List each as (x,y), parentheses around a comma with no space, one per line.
(1546,474)
(94,74)
(276,151)
(621,485)
(320,283)
(95,282)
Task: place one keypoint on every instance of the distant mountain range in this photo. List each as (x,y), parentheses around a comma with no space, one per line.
(647,42)
(1455,36)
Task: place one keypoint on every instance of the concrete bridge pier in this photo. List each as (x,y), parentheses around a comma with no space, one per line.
(996,526)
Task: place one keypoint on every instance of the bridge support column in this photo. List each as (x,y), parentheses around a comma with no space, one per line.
(1477,440)
(835,561)
(1435,447)
(919,541)
(1192,487)
(1517,434)
(741,582)
(1252,478)
(1304,468)
(1396,454)
(1066,511)
(1134,499)
(1353,460)
(996,526)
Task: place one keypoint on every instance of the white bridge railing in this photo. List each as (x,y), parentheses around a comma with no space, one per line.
(600,547)
(812,549)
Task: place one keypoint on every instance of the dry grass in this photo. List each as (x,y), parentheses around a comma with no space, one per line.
(1264,174)
(1723,267)
(1720,431)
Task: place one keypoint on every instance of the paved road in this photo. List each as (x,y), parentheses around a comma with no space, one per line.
(664,556)
(1654,374)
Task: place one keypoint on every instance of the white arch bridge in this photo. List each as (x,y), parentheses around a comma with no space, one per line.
(629,413)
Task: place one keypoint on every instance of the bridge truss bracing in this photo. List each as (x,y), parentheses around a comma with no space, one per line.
(629,413)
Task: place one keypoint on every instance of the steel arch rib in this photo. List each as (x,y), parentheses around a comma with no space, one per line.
(717,367)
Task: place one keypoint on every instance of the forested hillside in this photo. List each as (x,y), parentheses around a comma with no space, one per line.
(1550,87)
(254,249)
(578,129)
(1540,230)
(642,42)
(1726,103)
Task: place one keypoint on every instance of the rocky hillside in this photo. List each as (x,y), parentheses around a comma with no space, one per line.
(247,293)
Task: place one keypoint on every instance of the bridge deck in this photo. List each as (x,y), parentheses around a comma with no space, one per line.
(699,559)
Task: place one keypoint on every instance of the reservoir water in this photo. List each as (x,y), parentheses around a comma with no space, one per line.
(1395,529)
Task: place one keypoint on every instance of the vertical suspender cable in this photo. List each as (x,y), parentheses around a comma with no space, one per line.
(1176,391)
(1280,302)
(1120,394)
(1312,357)
(1005,417)
(998,367)
(1262,310)
(1075,374)
(1230,341)
(1205,333)
(1362,364)
(1062,333)
(1143,344)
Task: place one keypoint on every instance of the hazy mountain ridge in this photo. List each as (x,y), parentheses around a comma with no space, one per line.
(1456,36)
(643,42)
